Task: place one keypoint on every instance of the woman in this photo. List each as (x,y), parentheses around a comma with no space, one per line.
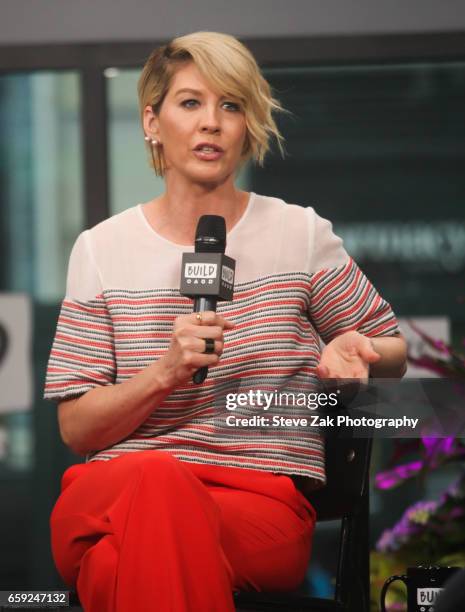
(173,510)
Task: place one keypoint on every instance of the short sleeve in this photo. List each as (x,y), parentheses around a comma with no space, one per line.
(342,298)
(82,354)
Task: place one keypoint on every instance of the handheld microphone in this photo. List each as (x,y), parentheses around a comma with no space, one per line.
(207,275)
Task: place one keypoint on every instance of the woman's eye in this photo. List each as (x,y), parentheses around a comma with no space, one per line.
(232,106)
(189,103)
(192,103)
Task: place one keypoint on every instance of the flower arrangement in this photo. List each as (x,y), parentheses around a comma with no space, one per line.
(430,532)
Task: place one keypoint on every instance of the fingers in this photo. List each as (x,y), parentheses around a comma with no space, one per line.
(213,331)
(369,355)
(186,352)
(188,346)
(197,334)
(208,318)
(347,373)
(199,345)
(202,325)
(227,324)
(363,347)
(322,371)
(198,359)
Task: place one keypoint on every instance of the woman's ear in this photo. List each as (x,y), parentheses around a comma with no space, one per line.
(151,122)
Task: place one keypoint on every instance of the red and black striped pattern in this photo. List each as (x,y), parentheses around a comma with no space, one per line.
(274,346)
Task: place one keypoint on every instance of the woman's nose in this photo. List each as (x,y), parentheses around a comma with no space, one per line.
(210,121)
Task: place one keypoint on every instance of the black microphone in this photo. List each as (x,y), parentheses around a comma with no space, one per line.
(207,275)
(210,237)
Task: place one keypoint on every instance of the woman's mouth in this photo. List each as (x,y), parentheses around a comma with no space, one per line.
(207,152)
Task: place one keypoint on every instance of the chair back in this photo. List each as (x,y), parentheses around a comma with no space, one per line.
(347,472)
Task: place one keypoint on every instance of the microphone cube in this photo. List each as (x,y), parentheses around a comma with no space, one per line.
(204,274)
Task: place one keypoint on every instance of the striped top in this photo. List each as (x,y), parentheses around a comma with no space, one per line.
(295,283)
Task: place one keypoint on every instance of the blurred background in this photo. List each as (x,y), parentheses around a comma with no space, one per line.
(375,142)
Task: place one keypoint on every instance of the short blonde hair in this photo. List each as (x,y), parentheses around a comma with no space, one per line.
(231,69)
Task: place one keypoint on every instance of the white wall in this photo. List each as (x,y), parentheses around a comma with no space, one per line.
(43,21)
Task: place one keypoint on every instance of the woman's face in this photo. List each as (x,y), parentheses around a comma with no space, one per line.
(201,131)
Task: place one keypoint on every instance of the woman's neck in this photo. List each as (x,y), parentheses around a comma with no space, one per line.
(175,214)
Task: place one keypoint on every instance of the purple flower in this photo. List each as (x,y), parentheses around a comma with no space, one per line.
(421,512)
(391,478)
(437,451)
(438,445)
(456,490)
(386,541)
(411,523)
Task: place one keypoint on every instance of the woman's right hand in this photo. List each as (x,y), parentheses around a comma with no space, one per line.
(186,354)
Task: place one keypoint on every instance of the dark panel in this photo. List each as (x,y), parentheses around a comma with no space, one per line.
(275,51)
(95,146)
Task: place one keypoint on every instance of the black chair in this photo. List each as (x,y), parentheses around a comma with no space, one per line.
(345,497)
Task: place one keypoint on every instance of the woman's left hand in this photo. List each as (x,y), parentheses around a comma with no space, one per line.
(347,356)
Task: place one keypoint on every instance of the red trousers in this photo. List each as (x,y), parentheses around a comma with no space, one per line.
(146,532)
